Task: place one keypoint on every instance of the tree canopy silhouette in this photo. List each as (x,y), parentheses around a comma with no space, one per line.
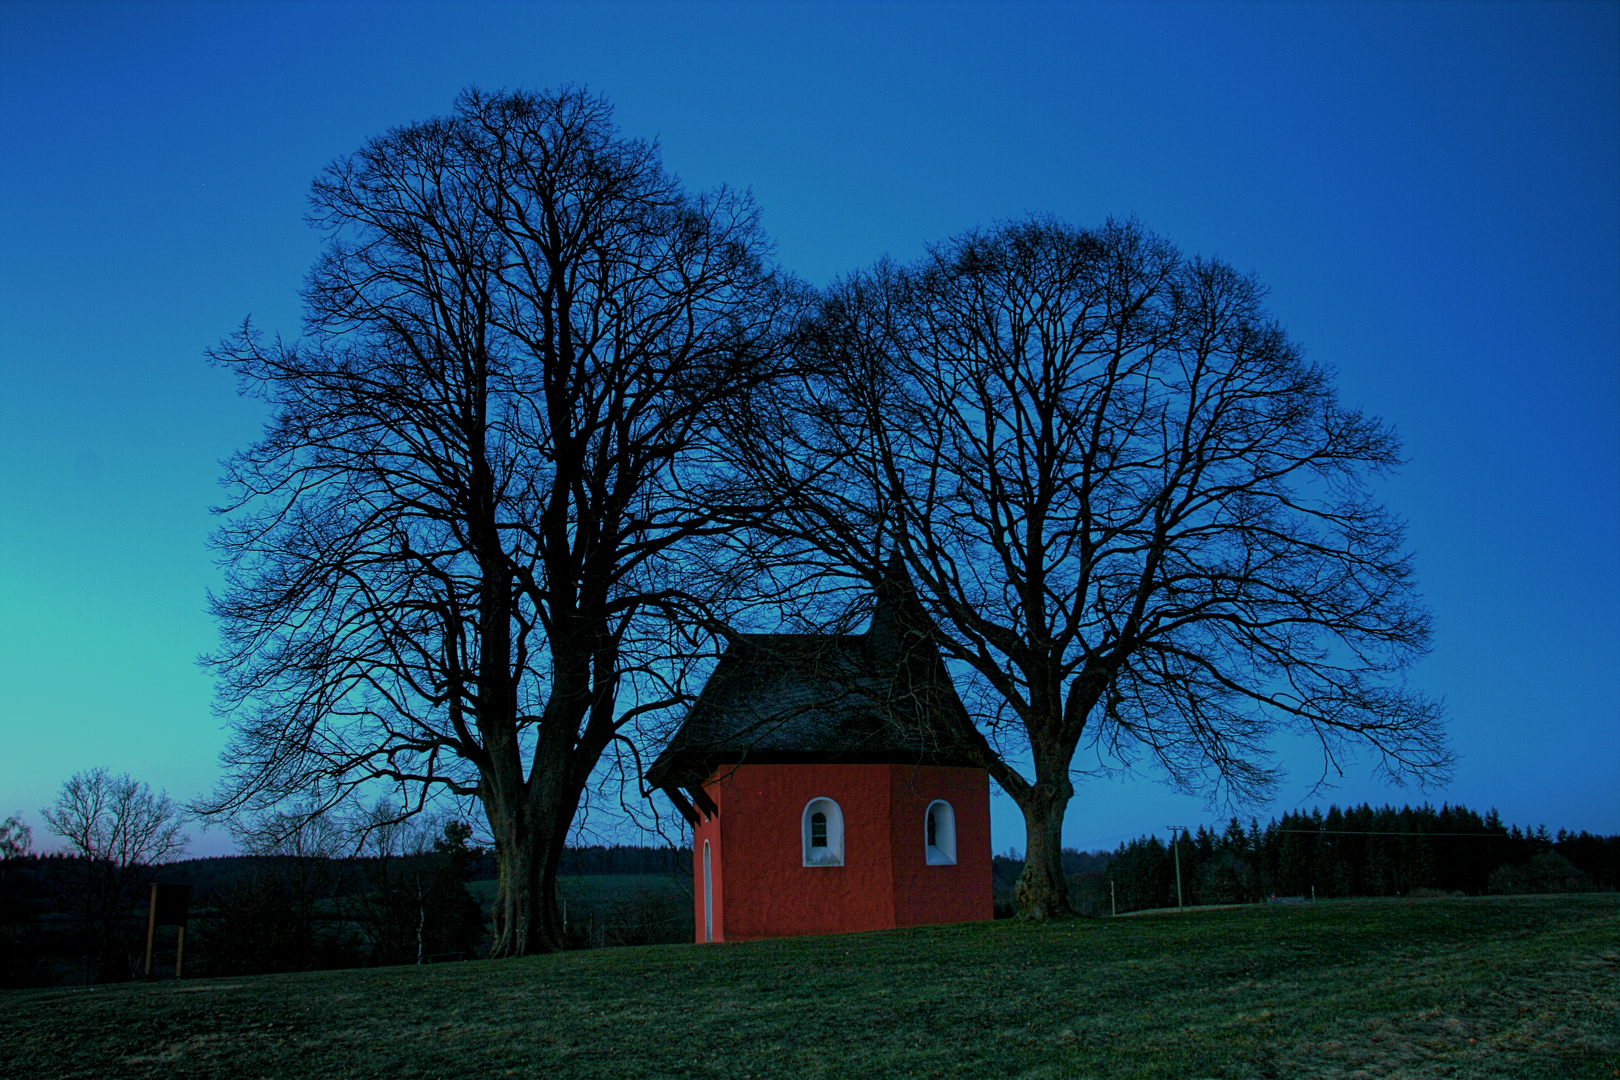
(1139,518)
(447,556)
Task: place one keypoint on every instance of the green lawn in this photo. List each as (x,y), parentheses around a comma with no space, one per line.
(1498,987)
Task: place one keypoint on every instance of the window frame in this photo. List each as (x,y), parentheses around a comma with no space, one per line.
(935,853)
(835,833)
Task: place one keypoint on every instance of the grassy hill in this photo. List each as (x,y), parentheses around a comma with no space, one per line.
(1487,987)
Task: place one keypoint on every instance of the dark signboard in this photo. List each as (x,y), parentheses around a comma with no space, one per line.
(169,904)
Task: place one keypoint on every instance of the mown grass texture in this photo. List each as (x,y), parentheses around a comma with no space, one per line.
(1489,987)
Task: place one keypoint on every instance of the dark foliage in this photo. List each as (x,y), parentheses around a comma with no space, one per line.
(417,908)
(1548,872)
(1362,851)
(264,924)
(625,859)
(294,914)
(46,935)
(22,931)
(1598,856)
(267,913)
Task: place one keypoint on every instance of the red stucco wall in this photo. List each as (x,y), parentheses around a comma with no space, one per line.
(925,894)
(765,890)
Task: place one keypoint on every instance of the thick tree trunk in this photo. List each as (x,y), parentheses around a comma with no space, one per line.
(519,901)
(530,838)
(526,917)
(1042,891)
(530,811)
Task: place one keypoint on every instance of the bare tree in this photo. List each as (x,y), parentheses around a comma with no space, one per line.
(415,905)
(16,844)
(120,829)
(304,850)
(448,557)
(16,839)
(1137,516)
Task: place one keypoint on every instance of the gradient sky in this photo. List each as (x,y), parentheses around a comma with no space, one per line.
(1432,192)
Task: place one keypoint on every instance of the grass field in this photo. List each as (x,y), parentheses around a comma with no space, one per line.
(1498,987)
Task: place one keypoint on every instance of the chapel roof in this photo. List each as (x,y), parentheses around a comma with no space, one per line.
(877,697)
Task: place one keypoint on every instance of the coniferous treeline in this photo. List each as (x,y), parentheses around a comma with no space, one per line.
(1360,851)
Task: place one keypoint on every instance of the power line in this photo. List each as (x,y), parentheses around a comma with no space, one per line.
(1363,832)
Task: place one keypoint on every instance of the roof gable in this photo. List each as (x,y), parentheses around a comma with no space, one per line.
(874,697)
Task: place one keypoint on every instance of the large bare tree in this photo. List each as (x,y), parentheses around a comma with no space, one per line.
(1138,517)
(447,556)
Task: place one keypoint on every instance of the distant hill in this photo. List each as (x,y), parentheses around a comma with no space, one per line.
(220,873)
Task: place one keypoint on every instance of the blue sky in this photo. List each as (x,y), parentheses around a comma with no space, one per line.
(1432,192)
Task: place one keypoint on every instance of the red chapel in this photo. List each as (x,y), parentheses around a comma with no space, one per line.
(823,796)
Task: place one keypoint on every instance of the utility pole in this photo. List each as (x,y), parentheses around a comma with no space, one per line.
(1176,848)
(1113,901)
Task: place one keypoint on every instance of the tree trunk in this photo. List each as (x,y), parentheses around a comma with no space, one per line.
(1042,891)
(529,841)
(519,930)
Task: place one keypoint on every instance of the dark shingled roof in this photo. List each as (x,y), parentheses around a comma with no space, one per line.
(877,697)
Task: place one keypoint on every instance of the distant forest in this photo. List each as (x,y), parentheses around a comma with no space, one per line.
(1360,851)
(218,874)
(279,913)
(261,913)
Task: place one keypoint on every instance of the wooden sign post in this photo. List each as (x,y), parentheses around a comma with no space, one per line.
(169,908)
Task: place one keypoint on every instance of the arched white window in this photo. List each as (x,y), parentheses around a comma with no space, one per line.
(823,833)
(939,834)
